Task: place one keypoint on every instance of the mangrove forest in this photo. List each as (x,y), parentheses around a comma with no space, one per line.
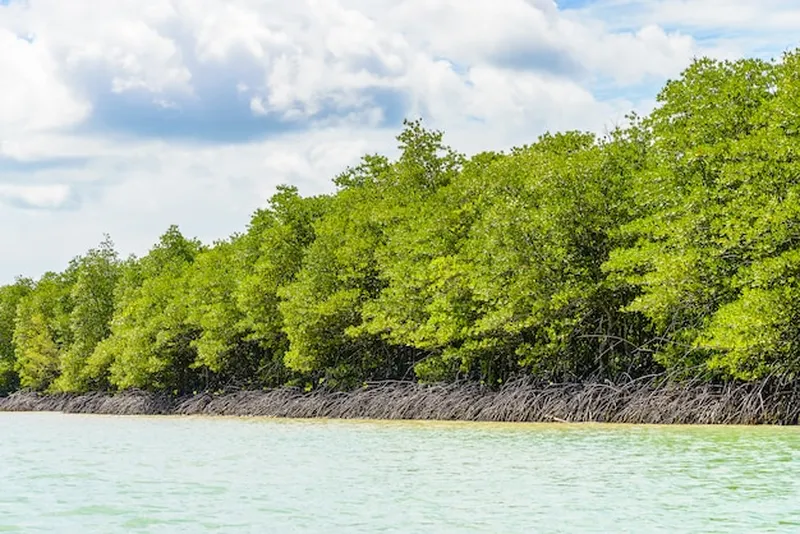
(669,246)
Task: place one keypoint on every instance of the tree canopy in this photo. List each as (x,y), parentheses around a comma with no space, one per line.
(671,244)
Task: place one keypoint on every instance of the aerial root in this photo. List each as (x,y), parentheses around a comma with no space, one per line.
(775,400)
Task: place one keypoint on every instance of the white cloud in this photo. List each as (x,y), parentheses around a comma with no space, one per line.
(34,97)
(192,111)
(127,48)
(35,196)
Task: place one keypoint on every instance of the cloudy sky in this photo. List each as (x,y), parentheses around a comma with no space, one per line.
(125,116)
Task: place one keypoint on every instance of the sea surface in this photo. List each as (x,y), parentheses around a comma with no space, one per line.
(107,474)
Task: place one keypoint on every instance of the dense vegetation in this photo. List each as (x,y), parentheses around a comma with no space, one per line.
(671,244)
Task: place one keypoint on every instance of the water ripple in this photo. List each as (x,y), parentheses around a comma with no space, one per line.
(67,473)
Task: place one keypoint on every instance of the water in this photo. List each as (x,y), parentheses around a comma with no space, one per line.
(68,473)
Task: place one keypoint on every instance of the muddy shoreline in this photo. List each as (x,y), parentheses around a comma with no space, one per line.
(643,401)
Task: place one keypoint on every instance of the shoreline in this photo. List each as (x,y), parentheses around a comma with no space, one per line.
(771,401)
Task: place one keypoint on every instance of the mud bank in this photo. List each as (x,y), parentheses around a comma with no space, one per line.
(642,401)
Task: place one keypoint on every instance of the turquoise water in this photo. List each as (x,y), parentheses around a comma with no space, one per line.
(68,473)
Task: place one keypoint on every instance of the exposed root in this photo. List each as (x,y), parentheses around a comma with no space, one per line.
(650,400)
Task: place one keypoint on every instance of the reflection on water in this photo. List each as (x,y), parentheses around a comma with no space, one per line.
(67,473)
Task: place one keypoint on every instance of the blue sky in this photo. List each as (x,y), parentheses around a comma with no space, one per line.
(125,117)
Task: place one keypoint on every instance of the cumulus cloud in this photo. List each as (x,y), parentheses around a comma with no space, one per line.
(192,111)
(35,98)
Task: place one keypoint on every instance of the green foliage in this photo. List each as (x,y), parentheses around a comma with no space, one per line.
(211,304)
(672,243)
(340,274)
(10,297)
(92,298)
(273,250)
(721,212)
(500,271)
(337,274)
(151,342)
(43,334)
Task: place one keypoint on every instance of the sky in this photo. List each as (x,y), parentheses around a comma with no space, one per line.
(123,117)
